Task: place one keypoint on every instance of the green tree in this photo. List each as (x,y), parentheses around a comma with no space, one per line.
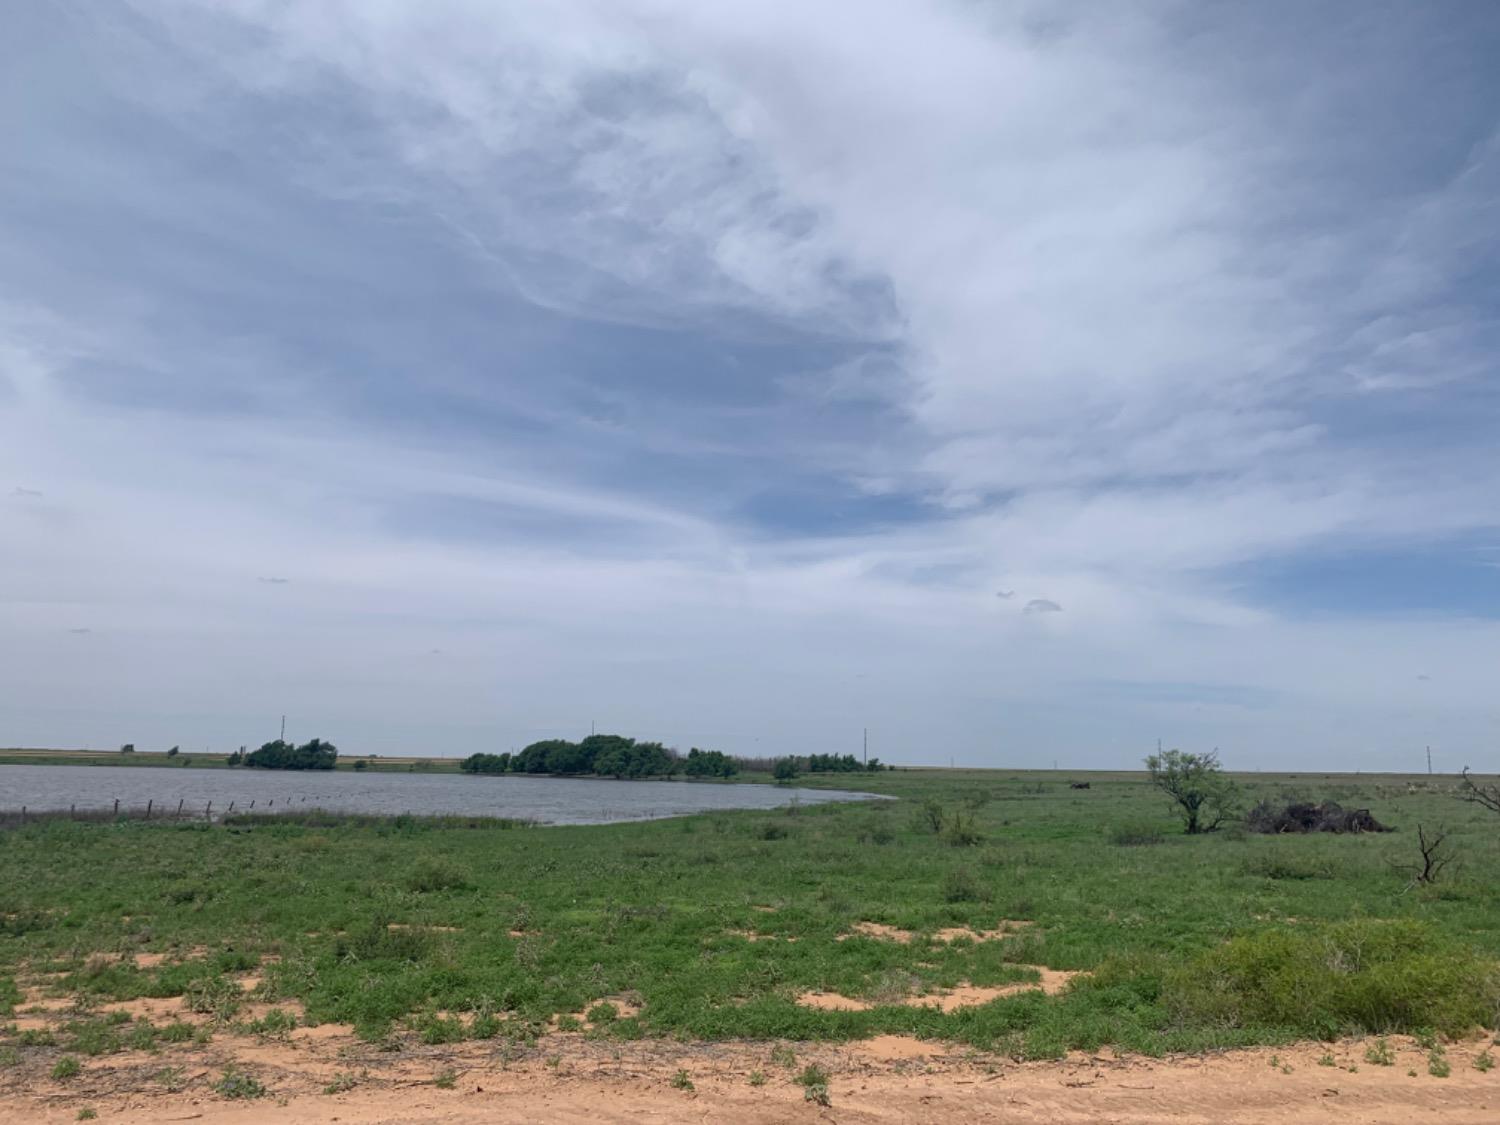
(128,748)
(785,769)
(172,753)
(281,755)
(1205,797)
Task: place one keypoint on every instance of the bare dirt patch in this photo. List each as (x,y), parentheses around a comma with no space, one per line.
(883,932)
(1052,982)
(568,1078)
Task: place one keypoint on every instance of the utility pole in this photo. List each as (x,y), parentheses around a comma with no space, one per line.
(867,747)
(1429,759)
(283,728)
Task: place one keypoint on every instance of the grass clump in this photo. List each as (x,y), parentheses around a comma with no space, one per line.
(1135,834)
(1437,1063)
(1365,976)
(682,1081)
(236,1085)
(814,1082)
(1484,1061)
(65,1068)
(1379,1053)
(446,1079)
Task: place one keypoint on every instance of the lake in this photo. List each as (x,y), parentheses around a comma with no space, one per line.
(549,800)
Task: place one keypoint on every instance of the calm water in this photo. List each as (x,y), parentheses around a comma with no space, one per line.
(549,800)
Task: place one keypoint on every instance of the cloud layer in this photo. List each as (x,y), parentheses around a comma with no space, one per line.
(455,374)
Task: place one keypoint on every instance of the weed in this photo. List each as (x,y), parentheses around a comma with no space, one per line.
(66,1067)
(87,1113)
(1437,1063)
(446,1079)
(175,1032)
(603,1013)
(342,1083)
(9,1056)
(1327,1060)
(681,1081)
(171,1077)
(814,1082)
(236,1085)
(758,1078)
(1379,1053)
(782,1055)
(1484,1061)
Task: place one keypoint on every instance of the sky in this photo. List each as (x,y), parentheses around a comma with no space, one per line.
(1021,382)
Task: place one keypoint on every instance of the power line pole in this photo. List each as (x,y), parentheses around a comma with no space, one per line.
(1429,759)
(283,728)
(867,747)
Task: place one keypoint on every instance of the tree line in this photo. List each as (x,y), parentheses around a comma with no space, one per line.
(614,755)
(603,755)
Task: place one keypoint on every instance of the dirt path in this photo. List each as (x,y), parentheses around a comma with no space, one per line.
(567,1078)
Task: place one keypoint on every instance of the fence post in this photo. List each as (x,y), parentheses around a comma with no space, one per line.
(207,810)
(23,814)
(179,807)
(148,808)
(72,812)
(117,806)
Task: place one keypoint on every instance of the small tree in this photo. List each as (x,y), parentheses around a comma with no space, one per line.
(128,748)
(1476,793)
(361,764)
(785,769)
(174,751)
(1196,782)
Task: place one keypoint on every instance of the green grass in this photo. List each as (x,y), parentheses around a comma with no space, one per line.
(445,929)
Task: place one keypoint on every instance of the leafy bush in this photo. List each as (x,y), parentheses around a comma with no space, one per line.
(785,769)
(1365,976)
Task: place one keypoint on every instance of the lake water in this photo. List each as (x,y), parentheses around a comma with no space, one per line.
(550,800)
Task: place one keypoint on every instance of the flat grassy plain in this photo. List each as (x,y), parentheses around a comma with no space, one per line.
(714,927)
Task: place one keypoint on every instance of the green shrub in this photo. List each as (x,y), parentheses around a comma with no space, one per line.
(682,1081)
(1366,976)
(436,875)
(962,885)
(236,1085)
(65,1068)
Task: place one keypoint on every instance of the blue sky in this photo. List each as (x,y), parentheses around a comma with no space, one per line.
(1025,382)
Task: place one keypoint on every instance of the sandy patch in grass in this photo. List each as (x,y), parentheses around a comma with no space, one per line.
(751,935)
(883,932)
(1052,982)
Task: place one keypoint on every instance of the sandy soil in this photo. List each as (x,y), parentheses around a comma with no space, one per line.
(570,1078)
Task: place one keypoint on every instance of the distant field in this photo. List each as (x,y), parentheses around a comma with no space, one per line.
(1039,919)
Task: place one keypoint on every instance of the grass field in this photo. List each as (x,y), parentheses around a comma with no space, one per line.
(715,926)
